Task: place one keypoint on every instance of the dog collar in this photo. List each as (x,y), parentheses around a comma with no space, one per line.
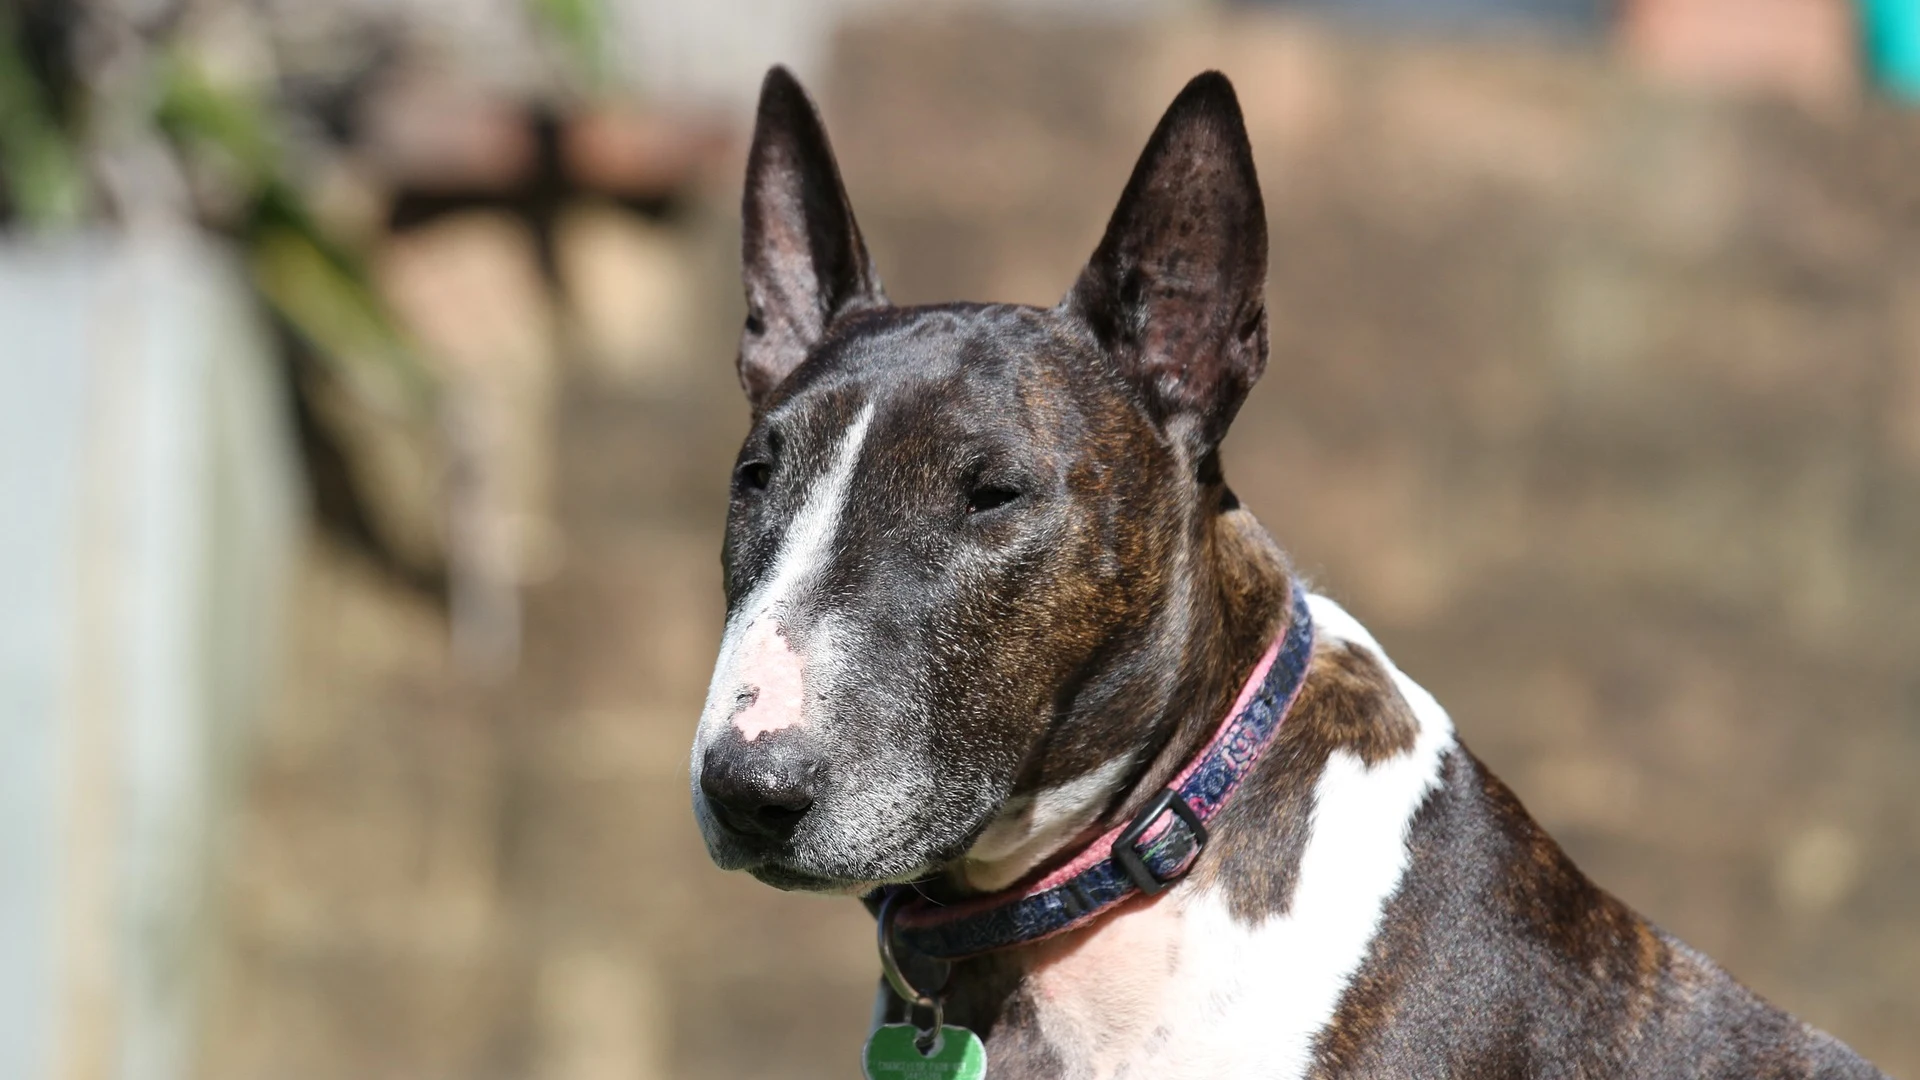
(1157,848)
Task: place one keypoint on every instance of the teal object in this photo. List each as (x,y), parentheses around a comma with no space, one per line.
(1892,30)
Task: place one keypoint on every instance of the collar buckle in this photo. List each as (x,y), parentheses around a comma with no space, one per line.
(1126,851)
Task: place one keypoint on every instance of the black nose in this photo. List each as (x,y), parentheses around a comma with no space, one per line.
(759,790)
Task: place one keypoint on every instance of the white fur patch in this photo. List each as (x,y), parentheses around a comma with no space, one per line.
(1032,827)
(803,551)
(1248,1000)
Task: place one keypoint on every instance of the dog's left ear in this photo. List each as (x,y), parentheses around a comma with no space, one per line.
(1175,291)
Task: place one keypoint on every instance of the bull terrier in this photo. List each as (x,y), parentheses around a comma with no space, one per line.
(1004,652)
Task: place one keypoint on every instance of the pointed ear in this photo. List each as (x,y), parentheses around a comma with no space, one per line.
(1175,290)
(801,256)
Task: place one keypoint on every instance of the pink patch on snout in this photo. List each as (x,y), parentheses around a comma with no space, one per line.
(770,672)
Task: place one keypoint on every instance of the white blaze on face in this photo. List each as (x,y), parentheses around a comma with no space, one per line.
(759,681)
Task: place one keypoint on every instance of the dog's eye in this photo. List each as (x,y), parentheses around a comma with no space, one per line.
(753,476)
(989,497)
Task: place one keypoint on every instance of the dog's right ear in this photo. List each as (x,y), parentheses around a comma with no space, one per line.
(801,256)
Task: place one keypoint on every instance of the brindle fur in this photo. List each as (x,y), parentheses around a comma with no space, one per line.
(1121,609)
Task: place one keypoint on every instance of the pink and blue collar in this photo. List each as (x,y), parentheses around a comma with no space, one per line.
(1157,848)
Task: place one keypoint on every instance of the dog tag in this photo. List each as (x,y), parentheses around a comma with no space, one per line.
(958,1054)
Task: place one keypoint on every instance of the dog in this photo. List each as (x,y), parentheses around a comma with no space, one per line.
(1003,647)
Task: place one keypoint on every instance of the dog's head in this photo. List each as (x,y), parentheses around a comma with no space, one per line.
(958,558)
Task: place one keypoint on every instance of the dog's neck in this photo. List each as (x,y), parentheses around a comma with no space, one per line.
(1216,618)
(1237,607)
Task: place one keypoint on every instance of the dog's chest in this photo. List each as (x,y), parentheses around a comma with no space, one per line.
(1174,989)
(1195,984)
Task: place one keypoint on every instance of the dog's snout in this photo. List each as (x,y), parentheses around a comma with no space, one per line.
(756,790)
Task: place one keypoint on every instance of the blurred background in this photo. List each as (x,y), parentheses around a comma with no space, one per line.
(367,402)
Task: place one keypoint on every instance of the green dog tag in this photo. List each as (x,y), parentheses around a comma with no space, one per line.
(957,1055)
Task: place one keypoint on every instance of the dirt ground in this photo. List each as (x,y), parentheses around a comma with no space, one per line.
(1628,481)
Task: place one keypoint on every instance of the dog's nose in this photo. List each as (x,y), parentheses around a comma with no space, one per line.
(758,792)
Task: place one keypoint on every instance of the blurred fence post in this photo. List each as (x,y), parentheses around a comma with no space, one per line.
(148,499)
